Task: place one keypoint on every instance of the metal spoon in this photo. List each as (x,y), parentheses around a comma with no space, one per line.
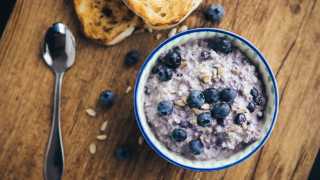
(59,54)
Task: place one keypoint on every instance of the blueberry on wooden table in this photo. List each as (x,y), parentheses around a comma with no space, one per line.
(220,44)
(204,119)
(214,13)
(107,98)
(123,153)
(240,119)
(132,58)
(211,95)
(228,95)
(196,146)
(220,110)
(179,135)
(165,108)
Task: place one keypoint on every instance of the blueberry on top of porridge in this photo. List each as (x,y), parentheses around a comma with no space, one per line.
(204,100)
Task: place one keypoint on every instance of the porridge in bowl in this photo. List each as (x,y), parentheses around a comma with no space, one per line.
(204,100)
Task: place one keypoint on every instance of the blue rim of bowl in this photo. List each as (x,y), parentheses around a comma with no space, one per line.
(249,44)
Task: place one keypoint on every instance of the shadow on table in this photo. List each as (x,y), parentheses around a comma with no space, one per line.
(6,7)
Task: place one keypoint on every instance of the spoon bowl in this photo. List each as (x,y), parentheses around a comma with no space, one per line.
(59,48)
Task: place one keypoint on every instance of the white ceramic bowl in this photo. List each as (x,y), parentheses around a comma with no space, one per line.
(255,56)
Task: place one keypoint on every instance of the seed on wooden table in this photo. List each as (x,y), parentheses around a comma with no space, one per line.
(158,36)
(104,126)
(91,112)
(92,148)
(140,140)
(150,30)
(172,32)
(101,137)
(129,88)
(183,28)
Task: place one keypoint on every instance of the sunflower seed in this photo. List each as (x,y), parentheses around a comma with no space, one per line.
(172,32)
(215,73)
(183,28)
(205,107)
(197,111)
(158,36)
(179,102)
(205,78)
(220,71)
(129,88)
(183,65)
(101,137)
(140,140)
(103,126)
(92,148)
(91,112)
(149,30)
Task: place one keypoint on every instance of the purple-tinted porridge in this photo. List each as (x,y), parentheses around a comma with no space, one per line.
(204,66)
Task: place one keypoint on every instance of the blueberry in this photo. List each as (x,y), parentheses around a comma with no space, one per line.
(259,100)
(172,59)
(107,98)
(254,92)
(228,95)
(164,73)
(251,106)
(196,146)
(214,13)
(220,122)
(185,124)
(204,119)
(165,108)
(240,119)
(220,110)
(220,44)
(155,69)
(204,55)
(260,115)
(132,58)
(220,137)
(179,135)
(211,95)
(123,153)
(196,99)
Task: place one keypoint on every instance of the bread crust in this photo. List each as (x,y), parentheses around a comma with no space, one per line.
(106,21)
(163,14)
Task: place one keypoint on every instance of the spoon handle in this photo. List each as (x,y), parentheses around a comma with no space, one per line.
(54,159)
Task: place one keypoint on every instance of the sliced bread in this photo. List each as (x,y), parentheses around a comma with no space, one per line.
(106,21)
(162,14)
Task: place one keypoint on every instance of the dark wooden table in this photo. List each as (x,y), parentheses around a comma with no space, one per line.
(287,31)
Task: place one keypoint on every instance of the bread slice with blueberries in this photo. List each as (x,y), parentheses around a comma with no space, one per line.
(162,14)
(106,21)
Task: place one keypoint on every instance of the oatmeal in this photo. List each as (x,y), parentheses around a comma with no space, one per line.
(204,100)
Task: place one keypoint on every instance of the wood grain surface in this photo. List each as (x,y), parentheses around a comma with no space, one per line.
(286,31)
